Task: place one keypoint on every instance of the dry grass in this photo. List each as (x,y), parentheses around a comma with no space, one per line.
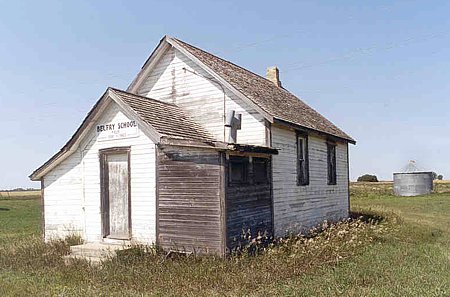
(143,270)
(365,189)
(4,195)
(30,267)
(393,247)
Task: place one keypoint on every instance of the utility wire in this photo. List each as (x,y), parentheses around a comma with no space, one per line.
(364,51)
(239,48)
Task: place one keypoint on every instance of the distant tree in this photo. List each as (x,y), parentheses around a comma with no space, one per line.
(434,175)
(367,178)
(440,177)
(18,190)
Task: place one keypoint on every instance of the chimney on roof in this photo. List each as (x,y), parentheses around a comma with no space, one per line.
(273,74)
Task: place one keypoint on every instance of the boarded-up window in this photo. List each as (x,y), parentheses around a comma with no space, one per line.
(238,169)
(331,162)
(260,170)
(302,160)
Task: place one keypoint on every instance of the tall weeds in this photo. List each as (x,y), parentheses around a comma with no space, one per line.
(147,269)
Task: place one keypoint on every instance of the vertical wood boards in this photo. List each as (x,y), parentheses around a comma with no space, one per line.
(118,195)
(298,208)
(115,192)
(202,97)
(222,198)
(42,209)
(189,215)
(249,207)
(142,180)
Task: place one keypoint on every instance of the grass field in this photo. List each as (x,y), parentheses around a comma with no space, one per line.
(20,195)
(400,248)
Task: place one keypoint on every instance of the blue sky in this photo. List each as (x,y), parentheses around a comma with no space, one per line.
(378,69)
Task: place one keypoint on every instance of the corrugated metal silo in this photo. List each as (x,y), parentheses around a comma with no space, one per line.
(413,183)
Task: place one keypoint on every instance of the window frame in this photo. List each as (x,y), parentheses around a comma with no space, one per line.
(331,163)
(266,163)
(245,174)
(302,173)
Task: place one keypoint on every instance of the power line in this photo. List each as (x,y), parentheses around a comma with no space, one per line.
(239,48)
(364,51)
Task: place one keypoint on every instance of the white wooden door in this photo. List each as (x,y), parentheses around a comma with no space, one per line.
(117,186)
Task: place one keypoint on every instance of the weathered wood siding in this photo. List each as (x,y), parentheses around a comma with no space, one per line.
(189,207)
(248,208)
(116,194)
(142,178)
(201,97)
(72,189)
(63,197)
(298,208)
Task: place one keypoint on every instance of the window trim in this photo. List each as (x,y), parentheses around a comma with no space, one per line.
(331,163)
(266,162)
(302,181)
(245,174)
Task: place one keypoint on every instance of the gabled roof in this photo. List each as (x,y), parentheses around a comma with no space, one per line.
(161,120)
(276,101)
(166,118)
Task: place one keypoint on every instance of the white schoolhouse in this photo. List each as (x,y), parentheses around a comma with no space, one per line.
(195,151)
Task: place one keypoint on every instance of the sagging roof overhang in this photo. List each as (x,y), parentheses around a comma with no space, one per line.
(218,145)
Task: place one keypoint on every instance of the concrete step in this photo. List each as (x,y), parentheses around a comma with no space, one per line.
(90,259)
(116,241)
(95,251)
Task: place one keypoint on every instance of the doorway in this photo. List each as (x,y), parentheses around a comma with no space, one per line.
(115,193)
(249,202)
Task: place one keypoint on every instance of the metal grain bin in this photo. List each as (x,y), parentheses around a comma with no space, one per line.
(413,183)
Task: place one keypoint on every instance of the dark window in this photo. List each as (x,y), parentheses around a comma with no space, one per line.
(331,157)
(238,169)
(260,170)
(302,160)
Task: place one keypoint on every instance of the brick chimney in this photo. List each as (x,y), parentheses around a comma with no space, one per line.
(273,74)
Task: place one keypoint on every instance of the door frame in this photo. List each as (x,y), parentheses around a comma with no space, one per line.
(249,182)
(104,188)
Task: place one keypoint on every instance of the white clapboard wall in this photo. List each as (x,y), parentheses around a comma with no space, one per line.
(298,208)
(201,96)
(72,189)
(63,192)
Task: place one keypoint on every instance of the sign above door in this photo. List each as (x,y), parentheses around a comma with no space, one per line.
(118,130)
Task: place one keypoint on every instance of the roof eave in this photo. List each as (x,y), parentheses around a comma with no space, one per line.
(73,143)
(306,129)
(246,148)
(68,148)
(146,68)
(222,81)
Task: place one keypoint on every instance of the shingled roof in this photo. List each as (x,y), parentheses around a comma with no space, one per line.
(276,101)
(167,119)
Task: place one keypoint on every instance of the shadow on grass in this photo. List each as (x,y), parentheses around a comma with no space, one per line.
(367,217)
(4,209)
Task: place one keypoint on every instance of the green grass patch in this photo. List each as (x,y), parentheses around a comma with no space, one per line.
(19,219)
(399,247)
